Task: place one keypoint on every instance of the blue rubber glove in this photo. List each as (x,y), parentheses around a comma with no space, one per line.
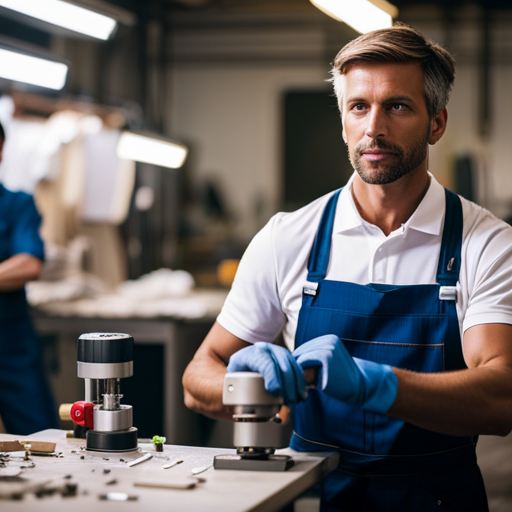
(281,373)
(354,381)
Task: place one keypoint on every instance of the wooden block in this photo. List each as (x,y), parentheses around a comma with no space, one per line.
(40,446)
(11,446)
(35,446)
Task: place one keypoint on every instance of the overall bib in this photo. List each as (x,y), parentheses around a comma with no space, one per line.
(388,464)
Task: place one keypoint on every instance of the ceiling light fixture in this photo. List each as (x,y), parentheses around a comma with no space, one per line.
(92,18)
(151,149)
(362,15)
(32,69)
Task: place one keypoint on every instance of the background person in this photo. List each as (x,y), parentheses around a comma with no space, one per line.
(26,404)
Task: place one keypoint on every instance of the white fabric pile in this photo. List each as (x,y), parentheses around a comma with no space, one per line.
(162,293)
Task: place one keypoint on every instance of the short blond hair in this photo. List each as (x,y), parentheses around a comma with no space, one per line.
(401,44)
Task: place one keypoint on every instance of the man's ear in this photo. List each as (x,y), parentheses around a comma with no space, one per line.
(438,126)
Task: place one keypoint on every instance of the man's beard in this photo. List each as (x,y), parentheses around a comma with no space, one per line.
(403,161)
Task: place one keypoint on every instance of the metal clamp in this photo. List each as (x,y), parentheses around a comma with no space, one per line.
(310,288)
(448,293)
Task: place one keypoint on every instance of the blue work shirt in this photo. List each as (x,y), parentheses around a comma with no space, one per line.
(19,233)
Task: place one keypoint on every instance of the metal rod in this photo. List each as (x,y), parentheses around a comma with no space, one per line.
(89,390)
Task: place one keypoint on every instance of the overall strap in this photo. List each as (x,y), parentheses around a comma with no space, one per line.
(319,256)
(450,257)
(448,273)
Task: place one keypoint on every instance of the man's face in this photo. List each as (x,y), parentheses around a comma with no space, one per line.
(385,120)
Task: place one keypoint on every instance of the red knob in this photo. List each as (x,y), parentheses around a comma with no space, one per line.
(82,413)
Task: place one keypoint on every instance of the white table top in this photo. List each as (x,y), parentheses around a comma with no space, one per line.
(218,490)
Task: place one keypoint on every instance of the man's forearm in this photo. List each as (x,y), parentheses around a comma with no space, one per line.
(467,402)
(203,379)
(202,384)
(16,271)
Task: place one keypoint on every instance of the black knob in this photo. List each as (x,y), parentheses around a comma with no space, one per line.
(105,347)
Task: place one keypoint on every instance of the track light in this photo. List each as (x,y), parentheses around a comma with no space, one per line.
(26,67)
(362,15)
(92,18)
(151,149)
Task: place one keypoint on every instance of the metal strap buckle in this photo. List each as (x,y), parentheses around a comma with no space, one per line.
(310,288)
(448,293)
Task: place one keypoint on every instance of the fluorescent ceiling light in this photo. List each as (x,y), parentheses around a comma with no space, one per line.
(151,150)
(67,15)
(33,70)
(362,15)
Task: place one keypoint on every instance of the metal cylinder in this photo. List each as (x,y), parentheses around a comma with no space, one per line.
(112,396)
(247,388)
(110,421)
(258,435)
(90,391)
(105,355)
(65,412)
(104,370)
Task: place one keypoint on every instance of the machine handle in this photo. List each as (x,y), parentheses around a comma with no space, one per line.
(82,413)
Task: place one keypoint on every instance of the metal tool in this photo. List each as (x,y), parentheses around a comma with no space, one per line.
(199,470)
(171,464)
(103,360)
(144,458)
(254,408)
(118,496)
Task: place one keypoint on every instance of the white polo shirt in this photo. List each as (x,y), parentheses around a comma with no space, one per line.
(266,295)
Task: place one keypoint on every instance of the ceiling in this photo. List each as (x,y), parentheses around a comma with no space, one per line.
(288,5)
(242,13)
(207,11)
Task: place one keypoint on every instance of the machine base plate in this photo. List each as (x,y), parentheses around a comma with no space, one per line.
(271,463)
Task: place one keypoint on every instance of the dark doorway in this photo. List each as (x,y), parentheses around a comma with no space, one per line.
(315,156)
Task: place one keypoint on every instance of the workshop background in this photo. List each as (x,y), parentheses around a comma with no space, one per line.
(140,248)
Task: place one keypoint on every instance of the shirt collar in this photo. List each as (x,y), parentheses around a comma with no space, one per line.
(428,216)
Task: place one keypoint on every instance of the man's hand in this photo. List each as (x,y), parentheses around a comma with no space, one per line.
(370,385)
(281,373)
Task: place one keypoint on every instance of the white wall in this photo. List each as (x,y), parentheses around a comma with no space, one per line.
(492,153)
(461,136)
(227,80)
(232,118)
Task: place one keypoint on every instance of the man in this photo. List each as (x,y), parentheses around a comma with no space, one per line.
(26,405)
(398,293)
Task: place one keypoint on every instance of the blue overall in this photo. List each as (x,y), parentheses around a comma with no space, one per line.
(387,464)
(26,404)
